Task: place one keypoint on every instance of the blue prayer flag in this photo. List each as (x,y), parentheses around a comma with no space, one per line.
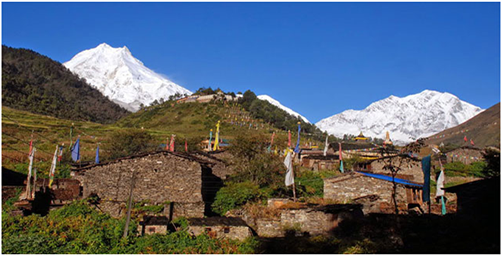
(426,168)
(97,155)
(297,148)
(75,151)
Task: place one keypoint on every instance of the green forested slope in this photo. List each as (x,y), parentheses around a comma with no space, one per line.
(35,83)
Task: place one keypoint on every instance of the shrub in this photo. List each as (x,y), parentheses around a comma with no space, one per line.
(234,195)
(129,142)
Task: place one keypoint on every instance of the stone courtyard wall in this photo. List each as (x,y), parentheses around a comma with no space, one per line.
(349,187)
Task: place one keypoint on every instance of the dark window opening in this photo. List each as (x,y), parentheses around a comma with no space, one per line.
(151,229)
(226,230)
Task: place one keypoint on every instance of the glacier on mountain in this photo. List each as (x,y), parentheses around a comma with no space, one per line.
(407,119)
(121,77)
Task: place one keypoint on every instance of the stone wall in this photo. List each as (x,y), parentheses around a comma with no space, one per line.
(218,163)
(231,232)
(348,187)
(152,229)
(409,167)
(159,178)
(220,227)
(308,221)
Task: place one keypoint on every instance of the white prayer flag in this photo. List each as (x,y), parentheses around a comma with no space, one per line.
(440,185)
(52,171)
(326,146)
(28,188)
(290,180)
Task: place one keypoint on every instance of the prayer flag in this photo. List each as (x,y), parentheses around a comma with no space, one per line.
(210,138)
(30,166)
(167,144)
(60,155)
(443,206)
(472,142)
(288,162)
(171,145)
(186,145)
(217,137)
(465,138)
(75,151)
(340,156)
(326,146)
(52,171)
(97,155)
(297,148)
(440,185)
(426,168)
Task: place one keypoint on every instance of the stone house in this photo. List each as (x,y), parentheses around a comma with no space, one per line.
(373,191)
(183,183)
(411,168)
(220,227)
(478,199)
(466,155)
(153,225)
(320,162)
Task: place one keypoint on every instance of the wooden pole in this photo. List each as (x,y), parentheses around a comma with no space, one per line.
(128,219)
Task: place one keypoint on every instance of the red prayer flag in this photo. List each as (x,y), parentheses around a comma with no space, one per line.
(472,142)
(171,146)
(465,138)
(186,146)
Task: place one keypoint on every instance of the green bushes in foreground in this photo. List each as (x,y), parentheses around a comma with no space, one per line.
(78,228)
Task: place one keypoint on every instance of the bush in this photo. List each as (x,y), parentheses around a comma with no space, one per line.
(129,142)
(78,228)
(234,195)
(476,169)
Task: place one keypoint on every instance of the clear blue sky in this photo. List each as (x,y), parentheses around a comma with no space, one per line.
(316,58)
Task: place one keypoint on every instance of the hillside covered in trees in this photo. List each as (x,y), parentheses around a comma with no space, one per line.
(36,83)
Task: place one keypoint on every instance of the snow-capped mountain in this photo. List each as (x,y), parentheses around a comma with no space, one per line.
(406,118)
(279,105)
(121,77)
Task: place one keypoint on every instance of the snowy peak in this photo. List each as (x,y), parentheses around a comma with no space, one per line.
(121,77)
(279,105)
(407,118)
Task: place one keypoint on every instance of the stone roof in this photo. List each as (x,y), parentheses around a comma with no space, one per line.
(191,157)
(352,175)
(217,221)
(154,220)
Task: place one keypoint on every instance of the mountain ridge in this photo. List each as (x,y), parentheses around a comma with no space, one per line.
(279,105)
(407,118)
